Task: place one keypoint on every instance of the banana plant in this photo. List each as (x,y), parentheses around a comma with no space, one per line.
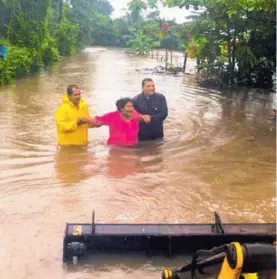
(142,43)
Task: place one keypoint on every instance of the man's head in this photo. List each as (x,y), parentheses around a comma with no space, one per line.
(125,106)
(74,94)
(148,87)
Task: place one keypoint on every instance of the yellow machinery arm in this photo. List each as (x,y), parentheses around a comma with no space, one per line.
(237,261)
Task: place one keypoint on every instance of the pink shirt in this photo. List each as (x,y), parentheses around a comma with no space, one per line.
(122,132)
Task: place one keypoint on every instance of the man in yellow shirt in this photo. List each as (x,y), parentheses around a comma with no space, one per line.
(72,119)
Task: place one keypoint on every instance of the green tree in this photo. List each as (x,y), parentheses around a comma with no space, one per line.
(234,40)
(135,7)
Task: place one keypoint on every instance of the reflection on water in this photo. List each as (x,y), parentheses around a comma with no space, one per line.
(69,162)
(218,154)
(122,162)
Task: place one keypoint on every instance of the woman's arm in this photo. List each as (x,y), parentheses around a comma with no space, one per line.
(99,121)
(94,123)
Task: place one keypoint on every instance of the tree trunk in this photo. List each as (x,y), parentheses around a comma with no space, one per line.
(234,53)
(230,66)
(185,62)
(60,9)
(166,59)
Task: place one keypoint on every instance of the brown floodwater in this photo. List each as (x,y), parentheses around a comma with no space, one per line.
(219,153)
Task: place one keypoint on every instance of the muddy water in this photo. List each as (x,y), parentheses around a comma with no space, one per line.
(218,154)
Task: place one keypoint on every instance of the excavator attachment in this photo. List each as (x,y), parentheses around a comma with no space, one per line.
(162,239)
(230,261)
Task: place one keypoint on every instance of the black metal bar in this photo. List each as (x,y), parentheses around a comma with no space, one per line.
(66,228)
(201,264)
(163,238)
(125,241)
(65,242)
(148,246)
(93,222)
(217,227)
(171,229)
(169,247)
(64,248)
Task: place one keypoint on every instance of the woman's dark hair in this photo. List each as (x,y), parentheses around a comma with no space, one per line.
(121,103)
(69,89)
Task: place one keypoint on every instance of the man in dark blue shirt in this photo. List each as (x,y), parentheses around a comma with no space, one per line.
(153,107)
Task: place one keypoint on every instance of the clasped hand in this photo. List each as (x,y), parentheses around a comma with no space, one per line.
(82,120)
(146,118)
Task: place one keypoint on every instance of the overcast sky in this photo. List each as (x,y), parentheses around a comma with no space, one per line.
(167,13)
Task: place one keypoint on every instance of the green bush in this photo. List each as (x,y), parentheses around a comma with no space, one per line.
(66,36)
(17,63)
(50,52)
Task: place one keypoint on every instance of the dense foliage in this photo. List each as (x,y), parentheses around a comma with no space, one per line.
(232,41)
(39,32)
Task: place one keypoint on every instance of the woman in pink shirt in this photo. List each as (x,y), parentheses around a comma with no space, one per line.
(123,123)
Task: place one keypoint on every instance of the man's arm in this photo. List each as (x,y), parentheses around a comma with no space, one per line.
(88,117)
(163,113)
(142,117)
(138,116)
(63,123)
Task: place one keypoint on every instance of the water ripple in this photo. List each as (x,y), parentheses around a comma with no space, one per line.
(218,147)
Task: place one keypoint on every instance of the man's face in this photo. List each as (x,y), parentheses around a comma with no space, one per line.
(76,96)
(148,88)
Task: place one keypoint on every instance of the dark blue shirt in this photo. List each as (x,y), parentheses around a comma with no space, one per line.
(156,107)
